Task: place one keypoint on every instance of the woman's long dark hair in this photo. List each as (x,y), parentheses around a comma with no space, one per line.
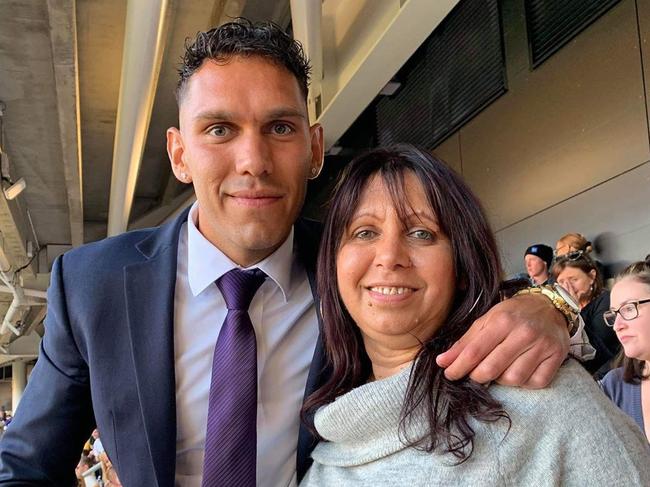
(633,368)
(448,404)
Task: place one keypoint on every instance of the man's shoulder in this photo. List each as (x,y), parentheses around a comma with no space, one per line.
(306,227)
(138,243)
(109,246)
(307,240)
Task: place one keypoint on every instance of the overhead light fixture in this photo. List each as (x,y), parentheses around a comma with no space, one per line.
(390,88)
(335,150)
(15,189)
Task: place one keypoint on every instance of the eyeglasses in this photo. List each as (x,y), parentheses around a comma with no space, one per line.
(628,311)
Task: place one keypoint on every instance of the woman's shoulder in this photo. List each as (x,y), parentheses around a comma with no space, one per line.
(545,422)
(613,379)
(598,304)
(573,394)
(615,387)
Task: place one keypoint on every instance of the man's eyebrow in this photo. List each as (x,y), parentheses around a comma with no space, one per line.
(273,114)
(214,115)
(285,112)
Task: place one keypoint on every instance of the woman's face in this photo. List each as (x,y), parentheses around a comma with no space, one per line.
(634,335)
(577,283)
(397,281)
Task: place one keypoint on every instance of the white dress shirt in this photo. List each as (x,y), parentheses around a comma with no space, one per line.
(286,328)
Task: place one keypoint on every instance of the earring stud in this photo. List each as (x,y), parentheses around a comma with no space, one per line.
(184,176)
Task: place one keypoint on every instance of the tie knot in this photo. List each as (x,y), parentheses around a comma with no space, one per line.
(238,287)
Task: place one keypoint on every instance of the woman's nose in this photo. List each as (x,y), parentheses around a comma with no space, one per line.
(619,323)
(392,251)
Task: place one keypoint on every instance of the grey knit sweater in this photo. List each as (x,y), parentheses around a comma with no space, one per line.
(567,434)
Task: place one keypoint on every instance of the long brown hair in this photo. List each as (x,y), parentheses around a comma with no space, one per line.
(633,368)
(448,404)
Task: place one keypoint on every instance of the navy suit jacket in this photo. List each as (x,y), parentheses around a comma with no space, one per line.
(107,358)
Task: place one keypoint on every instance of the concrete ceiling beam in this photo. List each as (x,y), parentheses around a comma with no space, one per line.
(306,18)
(147,23)
(63,36)
(165,211)
(16,232)
(364,44)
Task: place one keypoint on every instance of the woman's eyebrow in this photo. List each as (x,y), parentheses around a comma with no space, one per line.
(363,213)
(423,215)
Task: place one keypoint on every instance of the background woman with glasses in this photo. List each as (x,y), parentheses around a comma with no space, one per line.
(578,274)
(628,386)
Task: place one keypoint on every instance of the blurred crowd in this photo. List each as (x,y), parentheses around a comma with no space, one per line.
(616,317)
(94,468)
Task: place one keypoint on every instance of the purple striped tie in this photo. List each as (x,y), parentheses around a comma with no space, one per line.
(231,435)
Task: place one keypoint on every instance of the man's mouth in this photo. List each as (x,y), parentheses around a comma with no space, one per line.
(255,199)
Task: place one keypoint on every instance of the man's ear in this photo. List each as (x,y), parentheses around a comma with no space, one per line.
(317,151)
(176,151)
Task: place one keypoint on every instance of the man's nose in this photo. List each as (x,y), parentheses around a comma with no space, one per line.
(253,155)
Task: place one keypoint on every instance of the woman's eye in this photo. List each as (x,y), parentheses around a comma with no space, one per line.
(281,129)
(627,308)
(422,234)
(364,234)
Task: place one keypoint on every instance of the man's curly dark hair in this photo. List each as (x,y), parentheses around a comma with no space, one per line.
(244,38)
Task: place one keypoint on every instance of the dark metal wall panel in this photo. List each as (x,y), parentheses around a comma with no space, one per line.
(553,23)
(456,72)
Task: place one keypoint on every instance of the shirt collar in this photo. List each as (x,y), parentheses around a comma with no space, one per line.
(206,263)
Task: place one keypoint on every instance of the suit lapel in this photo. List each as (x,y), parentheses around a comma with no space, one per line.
(149,289)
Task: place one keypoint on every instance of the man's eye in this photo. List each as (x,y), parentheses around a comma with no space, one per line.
(281,129)
(422,235)
(219,131)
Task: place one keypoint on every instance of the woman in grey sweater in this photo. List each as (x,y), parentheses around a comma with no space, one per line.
(407,263)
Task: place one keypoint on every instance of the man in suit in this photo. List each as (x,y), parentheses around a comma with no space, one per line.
(133,320)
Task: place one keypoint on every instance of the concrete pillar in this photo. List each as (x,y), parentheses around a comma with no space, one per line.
(18,383)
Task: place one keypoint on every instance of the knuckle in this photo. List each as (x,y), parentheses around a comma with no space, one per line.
(502,318)
(512,378)
(486,372)
(538,381)
(472,354)
(554,346)
(505,382)
(528,334)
